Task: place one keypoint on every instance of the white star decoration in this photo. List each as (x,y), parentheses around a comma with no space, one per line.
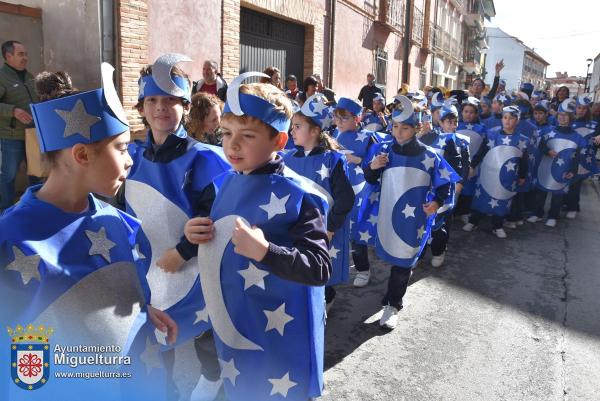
(510,166)
(551,135)
(318,106)
(372,219)
(560,162)
(373,196)
(364,236)
(277,319)
(275,206)
(323,172)
(506,140)
(283,385)
(522,145)
(229,371)
(100,244)
(477,193)
(137,254)
(493,203)
(26,265)
(150,356)
(333,252)
(441,142)
(445,174)
(361,136)
(428,162)
(409,211)
(358,170)
(142,88)
(490,144)
(201,316)
(421,232)
(253,276)
(469,126)
(359,203)
(77,121)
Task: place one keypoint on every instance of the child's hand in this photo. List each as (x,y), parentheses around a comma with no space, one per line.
(521,181)
(471,172)
(353,159)
(163,322)
(249,241)
(380,161)
(597,140)
(430,208)
(329,235)
(568,176)
(459,188)
(552,153)
(170,261)
(199,230)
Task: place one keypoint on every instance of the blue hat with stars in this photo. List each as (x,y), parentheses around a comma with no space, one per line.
(350,105)
(241,104)
(542,105)
(567,106)
(315,108)
(503,99)
(379,98)
(85,117)
(404,112)
(448,111)
(512,110)
(583,100)
(162,82)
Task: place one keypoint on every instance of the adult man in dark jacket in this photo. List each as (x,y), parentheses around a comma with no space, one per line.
(17,91)
(367,92)
(211,81)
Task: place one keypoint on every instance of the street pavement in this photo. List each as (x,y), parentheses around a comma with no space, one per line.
(514,319)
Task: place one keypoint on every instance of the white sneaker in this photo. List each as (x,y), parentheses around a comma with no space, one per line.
(571,215)
(533,219)
(437,261)
(500,233)
(551,223)
(206,390)
(465,218)
(510,224)
(329,305)
(520,222)
(468,227)
(389,318)
(362,279)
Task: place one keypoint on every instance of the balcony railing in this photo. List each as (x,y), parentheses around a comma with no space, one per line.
(390,13)
(417,26)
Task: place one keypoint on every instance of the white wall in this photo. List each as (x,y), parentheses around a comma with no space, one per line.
(503,46)
(595,79)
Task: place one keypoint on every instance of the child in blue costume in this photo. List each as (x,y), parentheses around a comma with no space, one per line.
(560,151)
(415,182)
(471,127)
(495,120)
(317,158)
(376,120)
(69,261)
(169,174)
(588,130)
(265,256)
(356,143)
(504,163)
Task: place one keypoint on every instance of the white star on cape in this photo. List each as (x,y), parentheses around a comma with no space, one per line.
(26,265)
(493,203)
(409,211)
(229,371)
(510,166)
(364,236)
(477,193)
(361,136)
(560,162)
(373,196)
(358,170)
(323,172)
(469,126)
(551,134)
(333,252)
(506,140)
(283,385)
(277,319)
(372,219)
(318,106)
(77,120)
(428,162)
(445,174)
(201,316)
(100,244)
(522,145)
(253,276)
(441,142)
(150,356)
(421,232)
(275,206)
(490,144)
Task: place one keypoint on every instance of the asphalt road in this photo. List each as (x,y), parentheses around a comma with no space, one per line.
(514,319)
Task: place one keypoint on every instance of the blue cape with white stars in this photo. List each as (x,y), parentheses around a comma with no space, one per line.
(498,173)
(163,197)
(371,122)
(393,217)
(588,165)
(318,168)
(550,171)
(268,331)
(476,133)
(83,275)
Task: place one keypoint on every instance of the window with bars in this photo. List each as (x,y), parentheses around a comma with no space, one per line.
(381,59)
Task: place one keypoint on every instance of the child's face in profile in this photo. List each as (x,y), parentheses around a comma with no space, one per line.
(346,121)
(247,143)
(163,113)
(304,134)
(449,124)
(402,132)
(109,164)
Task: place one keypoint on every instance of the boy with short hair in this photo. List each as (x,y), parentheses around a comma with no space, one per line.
(264,291)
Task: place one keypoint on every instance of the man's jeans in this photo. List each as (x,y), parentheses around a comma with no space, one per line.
(13,153)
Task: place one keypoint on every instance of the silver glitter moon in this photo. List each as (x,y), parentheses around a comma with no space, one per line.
(161,73)
(233,91)
(110,93)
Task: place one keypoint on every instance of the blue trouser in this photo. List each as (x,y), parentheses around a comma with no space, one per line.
(360,256)
(397,285)
(13,153)
(556,202)
(572,197)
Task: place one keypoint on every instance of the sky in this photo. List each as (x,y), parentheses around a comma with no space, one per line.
(564,32)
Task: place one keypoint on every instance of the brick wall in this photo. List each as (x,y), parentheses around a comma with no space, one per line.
(230,55)
(132,54)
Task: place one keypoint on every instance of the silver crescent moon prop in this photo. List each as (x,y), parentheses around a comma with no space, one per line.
(407,109)
(584,131)
(435,100)
(209,265)
(473,100)
(308,185)
(545,177)
(395,182)
(110,93)
(305,109)
(233,91)
(475,141)
(489,177)
(101,308)
(161,73)
(162,222)
(451,101)
(373,127)
(565,104)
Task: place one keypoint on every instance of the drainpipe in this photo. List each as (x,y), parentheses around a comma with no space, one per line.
(435,19)
(332,6)
(107,29)
(407,39)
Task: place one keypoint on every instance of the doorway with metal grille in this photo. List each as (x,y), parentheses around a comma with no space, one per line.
(268,41)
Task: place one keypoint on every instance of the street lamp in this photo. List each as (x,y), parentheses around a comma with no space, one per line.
(587,75)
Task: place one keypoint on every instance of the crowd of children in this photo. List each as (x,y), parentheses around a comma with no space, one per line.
(238,231)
